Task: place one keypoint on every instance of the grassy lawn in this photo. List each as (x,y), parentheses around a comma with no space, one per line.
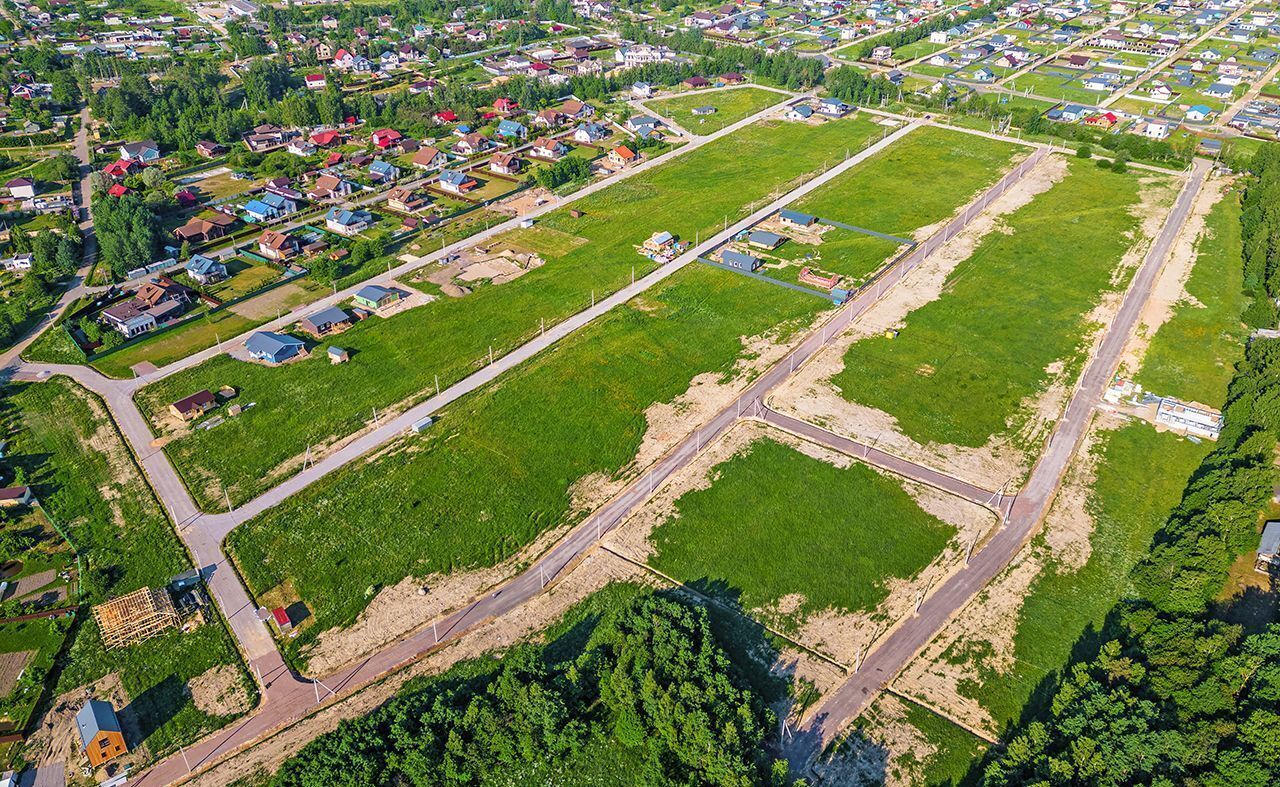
(481,484)
(965,362)
(176,344)
(920,180)
(80,468)
(397,358)
(731,106)
(1192,356)
(797,502)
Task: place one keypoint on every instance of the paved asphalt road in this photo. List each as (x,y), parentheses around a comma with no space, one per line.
(287,697)
(828,719)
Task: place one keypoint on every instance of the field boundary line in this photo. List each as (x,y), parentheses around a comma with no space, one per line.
(975,732)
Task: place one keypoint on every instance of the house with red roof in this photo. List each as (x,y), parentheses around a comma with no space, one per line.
(446,116)
(325,139)
(118,190)
(315,81)
(121,168)
(506,105)
(386,137)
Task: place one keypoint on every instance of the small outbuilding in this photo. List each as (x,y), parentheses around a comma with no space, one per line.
(740,261)
(338,355)
(794,218)
(765,240)
(326,321)
(101,737)
(1268,561)
(14,496)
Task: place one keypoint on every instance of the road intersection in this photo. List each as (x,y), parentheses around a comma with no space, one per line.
(288,697)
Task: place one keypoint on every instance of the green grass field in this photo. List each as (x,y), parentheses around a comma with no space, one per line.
(497,468)
(1192,356)
(918,181)
(963,364)
(814,529)
(731,106)
(79,467)
(398,358)
(1139,478)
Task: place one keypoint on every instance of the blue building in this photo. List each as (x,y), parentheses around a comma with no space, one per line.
(273,347)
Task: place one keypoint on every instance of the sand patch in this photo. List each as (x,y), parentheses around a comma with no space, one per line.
(220,691)
(55,738)
(11,667)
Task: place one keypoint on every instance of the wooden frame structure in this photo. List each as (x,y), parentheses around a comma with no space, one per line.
(135,617)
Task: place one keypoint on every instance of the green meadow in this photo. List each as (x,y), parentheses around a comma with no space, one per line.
(398,359)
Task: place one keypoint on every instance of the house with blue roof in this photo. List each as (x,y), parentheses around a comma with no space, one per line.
(795,218)
(512,130)
(456,182)
(347,222)
(373,296)
(283,205)
(273,347)
(740,261)
(1199,112)
(256,210)
(101,736)
(205,270)
(384,171)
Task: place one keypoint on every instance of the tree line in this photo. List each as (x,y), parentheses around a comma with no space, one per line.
(1179,693)
(651,690)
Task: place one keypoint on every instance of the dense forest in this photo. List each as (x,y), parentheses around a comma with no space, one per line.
(1185,687)
(642,692)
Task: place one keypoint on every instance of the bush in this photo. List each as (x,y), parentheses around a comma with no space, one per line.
(1085,151)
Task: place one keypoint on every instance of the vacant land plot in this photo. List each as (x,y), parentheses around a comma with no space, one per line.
(964,365)
(514,460)
(913,184)
(72,455)
(730,106)
(816,535)
(1192,356)
(396,360)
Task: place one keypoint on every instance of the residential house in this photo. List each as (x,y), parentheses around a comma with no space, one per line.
(202,230)
(142,152)
(347,222)
(799,112)
(14,496)
(314,82)
(372,296)
(739,260)
(456,182)
(385,138)
(512,129)
(330,187)
(327,321)
(273,347)
(589,133)
(405,200)
(192,407)
(548,148)
(504,163)
(833,107)
(622,156)
(472,144)
(101,736)
(792,218)
(383,171)
(205,270)
(208,149)
(21,188)
(278,246)
(429,158)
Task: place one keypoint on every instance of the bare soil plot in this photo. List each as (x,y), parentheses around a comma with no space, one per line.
(11,666)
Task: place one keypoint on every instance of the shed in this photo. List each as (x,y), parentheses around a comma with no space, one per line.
(193,406)
(273,347)
(338,355)
(281,617)
(373,296)
(740,261)
(13,496)
(765,240)
(101,738)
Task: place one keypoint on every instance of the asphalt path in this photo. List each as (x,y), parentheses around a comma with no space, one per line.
(824,722)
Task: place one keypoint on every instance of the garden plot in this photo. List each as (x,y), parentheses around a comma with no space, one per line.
(486,486)
(966,364)
(395,362)
(833,551)
(1054,597)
